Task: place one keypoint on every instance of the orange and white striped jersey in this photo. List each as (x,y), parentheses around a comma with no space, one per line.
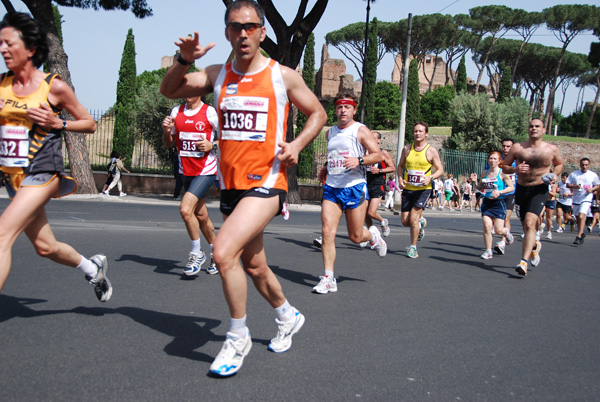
(253,110)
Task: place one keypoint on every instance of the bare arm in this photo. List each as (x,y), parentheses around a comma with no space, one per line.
(306,101)
(401,164)
(389,164)
(558,163)
(176,83)
(507,162)
(167,126)
(509,185)
(62,96)
(373,156)
(434,157)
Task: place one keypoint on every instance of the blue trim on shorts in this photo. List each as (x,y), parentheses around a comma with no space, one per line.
(347,197)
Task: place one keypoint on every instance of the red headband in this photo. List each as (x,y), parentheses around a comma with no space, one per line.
(345,102)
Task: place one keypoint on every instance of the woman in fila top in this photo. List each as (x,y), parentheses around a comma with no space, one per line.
(30,156)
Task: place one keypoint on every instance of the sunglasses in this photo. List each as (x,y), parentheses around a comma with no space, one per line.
(249,27)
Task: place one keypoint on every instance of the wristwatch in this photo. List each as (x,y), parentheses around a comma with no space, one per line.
(361,160)
(181,60)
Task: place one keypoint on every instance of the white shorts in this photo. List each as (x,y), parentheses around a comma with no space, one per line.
(583,208)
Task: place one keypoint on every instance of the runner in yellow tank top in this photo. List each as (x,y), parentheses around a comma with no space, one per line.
(30,132)
(416,162)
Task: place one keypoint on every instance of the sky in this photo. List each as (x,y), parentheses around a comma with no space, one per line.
(94,40)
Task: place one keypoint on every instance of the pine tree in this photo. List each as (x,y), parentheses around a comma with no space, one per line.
(461,77)
(307,155)
(123,138)
(371,75)
(413,100)
(504,91)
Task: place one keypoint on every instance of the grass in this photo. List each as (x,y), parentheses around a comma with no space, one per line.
(570,139)
(440,130)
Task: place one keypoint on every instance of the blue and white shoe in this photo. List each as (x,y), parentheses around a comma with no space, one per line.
(231,357)
(194,263)
(212,267)
(285,330)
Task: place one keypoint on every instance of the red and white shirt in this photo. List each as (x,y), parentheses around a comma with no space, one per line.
(191,126)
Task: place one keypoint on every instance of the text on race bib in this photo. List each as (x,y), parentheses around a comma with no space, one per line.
(14,146)
(244,118)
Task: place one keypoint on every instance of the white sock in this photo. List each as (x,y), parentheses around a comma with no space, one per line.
(211,249)
(196,249)
(87,267)
(238,326)
(284,312)
(329,274)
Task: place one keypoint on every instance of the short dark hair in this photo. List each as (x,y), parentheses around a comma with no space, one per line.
(422,123)
(236,5)
(507,139)
(543,124)
(378,134)
(584,159)
(31,33)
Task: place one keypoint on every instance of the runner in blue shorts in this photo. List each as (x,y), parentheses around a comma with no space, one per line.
(350,147)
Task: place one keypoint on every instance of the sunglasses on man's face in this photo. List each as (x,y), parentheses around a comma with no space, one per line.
(249,27)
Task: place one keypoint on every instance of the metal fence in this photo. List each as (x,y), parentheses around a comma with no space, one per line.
(100,144)
(145,159)
(463,163)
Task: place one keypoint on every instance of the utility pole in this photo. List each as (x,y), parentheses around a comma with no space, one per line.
(402,126)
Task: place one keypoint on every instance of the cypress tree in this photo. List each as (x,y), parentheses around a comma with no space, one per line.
(307,155)
(126,88)
(461,77)
(413,100)
(504,91)
(371,75)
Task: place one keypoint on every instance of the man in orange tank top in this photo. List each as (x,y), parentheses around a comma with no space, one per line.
(252,175)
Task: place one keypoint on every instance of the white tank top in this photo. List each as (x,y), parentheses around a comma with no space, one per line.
(342,143)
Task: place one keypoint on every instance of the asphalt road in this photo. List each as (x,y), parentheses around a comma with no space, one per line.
(445,326)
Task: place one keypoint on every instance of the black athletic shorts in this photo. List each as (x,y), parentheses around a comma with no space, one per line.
(230,198)
(567,209)
(530,199)
(509,200)
(414,199)
(375,191)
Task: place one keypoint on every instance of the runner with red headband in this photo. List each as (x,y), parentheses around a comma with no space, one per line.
(350,147)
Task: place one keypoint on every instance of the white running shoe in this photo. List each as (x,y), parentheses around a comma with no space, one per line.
(589,228)
(212,267)
(538,235)
(285,330)
(285,212)
(522,268)
(487,255)
(326,284)
(499,248)
(560,229)
(102,286)
(385,228)
(122,194)
(542,227)
(194,263)
(534,258)
(549,235)
(318,242)
(378,244)
(510,239)
(231,357)
(422,225)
